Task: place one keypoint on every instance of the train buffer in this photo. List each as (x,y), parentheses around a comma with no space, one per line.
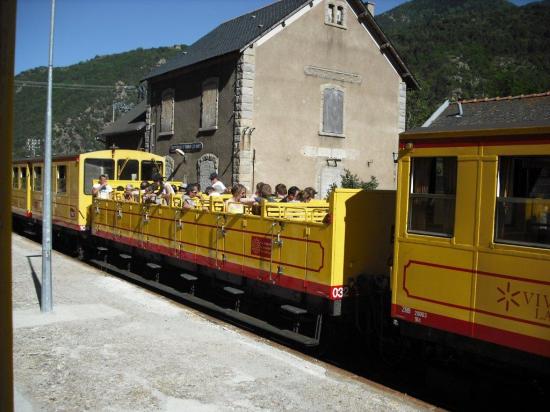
(126,259)
(155,269)
(236,294)
(190,279)
(296,314)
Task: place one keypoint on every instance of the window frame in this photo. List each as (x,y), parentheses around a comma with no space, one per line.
(215,81)
(412,195)
(126,163)
(85,173)
(322,132)
(158,162)
(168,95)
(34,168)
(58,180)
(331,14)
(515,200)
(16,178)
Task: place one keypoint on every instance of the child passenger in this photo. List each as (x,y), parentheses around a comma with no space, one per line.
(235,204)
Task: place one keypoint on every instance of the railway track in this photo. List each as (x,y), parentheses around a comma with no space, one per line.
(452,385)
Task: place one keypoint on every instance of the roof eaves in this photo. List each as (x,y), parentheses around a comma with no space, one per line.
(386,46)
(273,26)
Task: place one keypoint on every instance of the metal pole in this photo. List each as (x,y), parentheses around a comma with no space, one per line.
(46,301)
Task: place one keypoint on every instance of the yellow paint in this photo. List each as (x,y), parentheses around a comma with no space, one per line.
(470,277)
(267,248)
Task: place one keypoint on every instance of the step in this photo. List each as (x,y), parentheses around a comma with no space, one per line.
(125,256)
(293,310)
(233,291)
(188,277)
(154,266)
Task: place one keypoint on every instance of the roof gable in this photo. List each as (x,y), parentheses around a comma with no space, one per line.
(236,34)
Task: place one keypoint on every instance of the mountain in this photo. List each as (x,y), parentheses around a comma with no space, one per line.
(470,49)
(82,99)
(455,48)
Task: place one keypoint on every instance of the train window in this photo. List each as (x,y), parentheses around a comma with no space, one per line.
(61,182)
(93,168)
(523,201)
(149,168)
(127,169)
(15,178)
(24,177)
(37,179)
(432,196)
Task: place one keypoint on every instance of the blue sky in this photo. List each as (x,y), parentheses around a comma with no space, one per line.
(86,28)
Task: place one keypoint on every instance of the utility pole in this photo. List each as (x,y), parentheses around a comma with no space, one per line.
(46,301)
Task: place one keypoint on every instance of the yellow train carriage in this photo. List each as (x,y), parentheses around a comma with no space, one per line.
(72,181)
(472,252)
(20,201)
(317,249)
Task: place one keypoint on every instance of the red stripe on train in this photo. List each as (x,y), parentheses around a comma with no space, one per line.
(474,330)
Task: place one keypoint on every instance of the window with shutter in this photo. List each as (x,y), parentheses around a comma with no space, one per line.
(209,109)
(333,111)
(167,112)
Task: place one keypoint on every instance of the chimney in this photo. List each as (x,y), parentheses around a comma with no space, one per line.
(370,7)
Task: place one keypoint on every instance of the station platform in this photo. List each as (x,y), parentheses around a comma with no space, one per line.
(112,346)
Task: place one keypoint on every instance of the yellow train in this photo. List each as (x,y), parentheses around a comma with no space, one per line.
(462,248)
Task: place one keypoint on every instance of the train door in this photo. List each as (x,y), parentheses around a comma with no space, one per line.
(36,189)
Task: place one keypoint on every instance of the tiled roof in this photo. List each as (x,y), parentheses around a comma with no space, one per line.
(494,113)
(127,122)
(232,35)
(236,34)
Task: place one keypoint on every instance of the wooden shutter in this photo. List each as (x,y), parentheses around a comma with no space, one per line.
(209,115)
(167,112)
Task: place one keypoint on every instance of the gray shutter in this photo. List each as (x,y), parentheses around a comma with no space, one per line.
(206,168)
(167,112)
(209,105)
(333,111)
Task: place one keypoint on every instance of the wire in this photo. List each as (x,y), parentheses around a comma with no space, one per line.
(71,86)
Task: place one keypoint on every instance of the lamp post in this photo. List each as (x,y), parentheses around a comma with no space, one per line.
(46,298)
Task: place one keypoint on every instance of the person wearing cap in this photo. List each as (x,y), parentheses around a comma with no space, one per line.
(165,191)
(218,186)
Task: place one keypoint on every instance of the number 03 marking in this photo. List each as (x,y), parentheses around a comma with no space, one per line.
(341,292)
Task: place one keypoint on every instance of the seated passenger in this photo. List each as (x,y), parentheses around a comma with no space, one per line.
(280,191)
(191,199)
(292,195)
(150,193)
(265,193)
(130,193)
(307,195)
(165,192)
(217,184)
(102,190)
(210,191)
(235,204)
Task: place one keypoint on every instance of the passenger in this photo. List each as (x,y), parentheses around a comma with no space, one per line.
(165,190)
(235,204)
(129,193)
(280,191)
(266,193)
(191,199)
(217,184)
(150,193)
(102,190)
(258,191)
(307,195)
(291,196)
(210,191)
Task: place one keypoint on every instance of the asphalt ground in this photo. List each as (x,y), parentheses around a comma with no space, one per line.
(112,346)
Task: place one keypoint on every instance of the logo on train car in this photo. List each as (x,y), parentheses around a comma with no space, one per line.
(537,303)
(72,212)
(260,246)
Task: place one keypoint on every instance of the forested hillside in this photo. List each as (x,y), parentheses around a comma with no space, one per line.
(455,48)
(470,48)
(81,110)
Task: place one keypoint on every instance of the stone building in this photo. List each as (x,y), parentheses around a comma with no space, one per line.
(294,92)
